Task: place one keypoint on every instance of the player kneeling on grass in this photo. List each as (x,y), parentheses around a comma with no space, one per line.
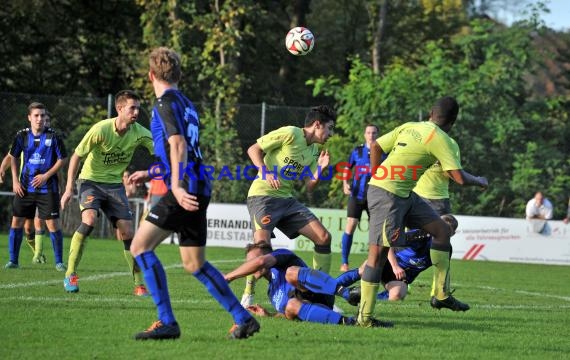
(406,263)
(295,290)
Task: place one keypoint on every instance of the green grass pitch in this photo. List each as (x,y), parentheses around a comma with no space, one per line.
(518,311)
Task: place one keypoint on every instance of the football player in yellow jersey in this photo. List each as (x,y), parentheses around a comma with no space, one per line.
(107,150)
(282,156)
(411,148)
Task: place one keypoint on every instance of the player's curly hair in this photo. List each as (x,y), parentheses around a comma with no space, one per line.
(445,111)
(264,246)
(321,113)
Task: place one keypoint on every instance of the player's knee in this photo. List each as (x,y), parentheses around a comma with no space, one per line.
(85,229)
(292,309)
(292,274)
(191,266)
(89,216)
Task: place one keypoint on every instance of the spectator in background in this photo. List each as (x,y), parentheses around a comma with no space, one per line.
(539,209)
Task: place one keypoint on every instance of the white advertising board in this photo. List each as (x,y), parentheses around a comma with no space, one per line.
(477,238)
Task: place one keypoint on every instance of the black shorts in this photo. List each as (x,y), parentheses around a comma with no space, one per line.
(191,226)
(441,206)
(110,198)
(388,274)
(313,298)
(356,207)
(47,206)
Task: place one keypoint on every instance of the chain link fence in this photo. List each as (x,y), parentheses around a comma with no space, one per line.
(67,112)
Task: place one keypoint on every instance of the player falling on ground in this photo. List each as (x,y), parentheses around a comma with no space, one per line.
(295,290)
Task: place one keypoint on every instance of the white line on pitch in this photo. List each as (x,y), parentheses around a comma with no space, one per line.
(96,277)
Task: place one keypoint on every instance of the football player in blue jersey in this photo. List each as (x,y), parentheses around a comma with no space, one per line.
(359,164)
(35,184)
(295,290)
(175,131)
(406,263)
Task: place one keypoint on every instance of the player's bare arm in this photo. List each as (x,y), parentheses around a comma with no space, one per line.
(41,179)
(139,177)
(322,162)
(4,166)
(74,162)
(251,267)
(179,155)
(398,271)
(375,155)
(255,153)
(16,186)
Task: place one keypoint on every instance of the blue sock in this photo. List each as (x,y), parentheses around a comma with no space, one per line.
(218,287)
(348,278)
(14,242)
(155,279)
(317,281)
(383,295)
(319,314)
(57,244)
(346,244)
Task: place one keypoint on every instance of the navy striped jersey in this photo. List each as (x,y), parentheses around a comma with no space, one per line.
(414,258)
(39,154)
(360,156)
(174,114)
(279,289)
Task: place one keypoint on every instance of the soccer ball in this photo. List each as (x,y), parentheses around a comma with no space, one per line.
(299,41)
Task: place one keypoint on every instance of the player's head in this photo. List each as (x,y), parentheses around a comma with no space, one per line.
(320,119)
(253,251)
(444,112)
(257,249)
(37,115)
(165,65)
(128,104)
(451,221)
(370,133)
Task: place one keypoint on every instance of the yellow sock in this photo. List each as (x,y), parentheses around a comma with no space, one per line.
(322,262)
(76,247)
(31,243)
(39,245)
(367,301)
(134,268)
(249,285)
(440,261)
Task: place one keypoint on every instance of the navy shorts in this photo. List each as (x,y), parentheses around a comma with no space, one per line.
(191,226)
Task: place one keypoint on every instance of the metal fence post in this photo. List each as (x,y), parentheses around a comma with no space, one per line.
(263,118)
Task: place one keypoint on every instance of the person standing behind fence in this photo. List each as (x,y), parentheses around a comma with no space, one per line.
(359,161)
(538,210)
(175,128)
(35,182)
(107,148)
